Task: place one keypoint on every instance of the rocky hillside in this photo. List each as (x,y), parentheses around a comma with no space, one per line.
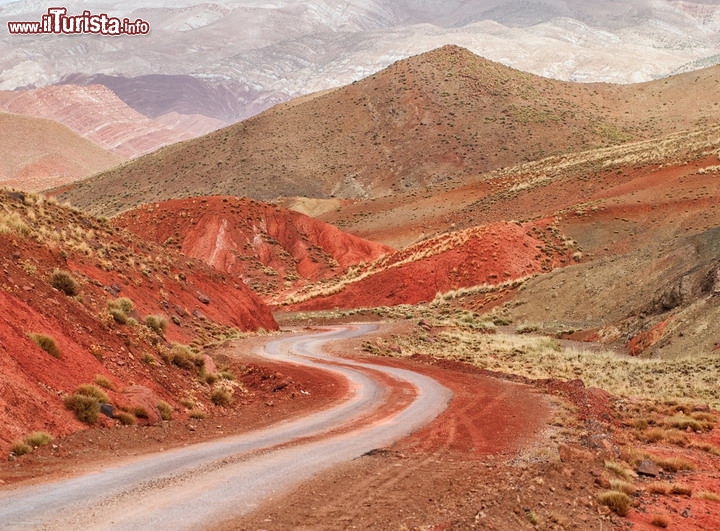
(481,259)
(271,248)
(84,302)
(443,116)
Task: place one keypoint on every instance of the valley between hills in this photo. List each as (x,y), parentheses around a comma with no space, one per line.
(548,251)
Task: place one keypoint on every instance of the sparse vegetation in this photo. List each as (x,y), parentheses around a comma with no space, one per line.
(85,402)
(623,486)
(38,438)
(707,495)
(156,323)
(86,408)
(47,343)
(197,414)
(182,356)
(120,309)
(63,281)
(542,357)
(21,448)
(165,410)
(221,396)
(103,381)
(125,418)
(619,469)
(660,521)
(617,501)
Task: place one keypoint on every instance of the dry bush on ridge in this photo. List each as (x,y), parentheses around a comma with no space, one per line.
(619,502)
(47,343)
(156,323)
(63,281)
(85,402)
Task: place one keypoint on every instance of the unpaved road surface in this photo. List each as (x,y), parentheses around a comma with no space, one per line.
(193,487)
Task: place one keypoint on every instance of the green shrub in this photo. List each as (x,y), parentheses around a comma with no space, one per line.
(221,396)
(156,323)
(183,357)
(38,438)
(120,309)
(63,281)
(125,418)
(165,410)
(47,343)
(93,392)
(21,448)
(86,408)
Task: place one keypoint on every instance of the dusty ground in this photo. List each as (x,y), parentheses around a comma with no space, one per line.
(506,454)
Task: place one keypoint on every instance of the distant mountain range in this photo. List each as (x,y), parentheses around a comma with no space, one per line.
(230,60)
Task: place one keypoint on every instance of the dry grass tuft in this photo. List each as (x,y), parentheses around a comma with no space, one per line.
(165,410)
(221,396)
(63,281)
(617,501)
(47,343)
(623,486)
(707,495)
(659,487)
(681,489)
(660,521)
(125,418)
(104,381)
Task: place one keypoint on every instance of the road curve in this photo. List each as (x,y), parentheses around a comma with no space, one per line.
(193,487)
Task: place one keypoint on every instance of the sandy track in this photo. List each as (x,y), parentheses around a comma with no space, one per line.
(189,488)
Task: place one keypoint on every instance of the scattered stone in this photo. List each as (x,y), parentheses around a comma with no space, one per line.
(203,298)
(648,468)
(569,454)
(191,427)
(107,410)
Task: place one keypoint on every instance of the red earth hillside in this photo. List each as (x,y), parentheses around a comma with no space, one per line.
(270,247)
(486,255)
(199,305)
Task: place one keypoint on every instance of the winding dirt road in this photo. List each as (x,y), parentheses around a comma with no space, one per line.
(193,487)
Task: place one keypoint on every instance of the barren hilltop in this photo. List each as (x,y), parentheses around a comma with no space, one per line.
(446,115)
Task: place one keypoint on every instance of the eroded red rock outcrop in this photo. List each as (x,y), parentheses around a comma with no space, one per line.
(198,304)
(270,247)
(486,255)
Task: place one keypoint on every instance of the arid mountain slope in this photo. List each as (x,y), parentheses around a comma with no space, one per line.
(97,114)
(421,122)
(40,241)
(662,300)
(480,257)
(662,188)
(271,248)
(36,153)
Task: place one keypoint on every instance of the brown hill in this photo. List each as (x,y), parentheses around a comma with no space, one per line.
(95,113)
(59,271)
(38,153)
(271,248)
(484,257)
(422,122)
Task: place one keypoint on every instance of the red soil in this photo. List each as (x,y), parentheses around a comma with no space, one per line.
(264,244)
(111,263)
(488,254)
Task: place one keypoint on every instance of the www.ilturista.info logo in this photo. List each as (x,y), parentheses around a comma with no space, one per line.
(57,21)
